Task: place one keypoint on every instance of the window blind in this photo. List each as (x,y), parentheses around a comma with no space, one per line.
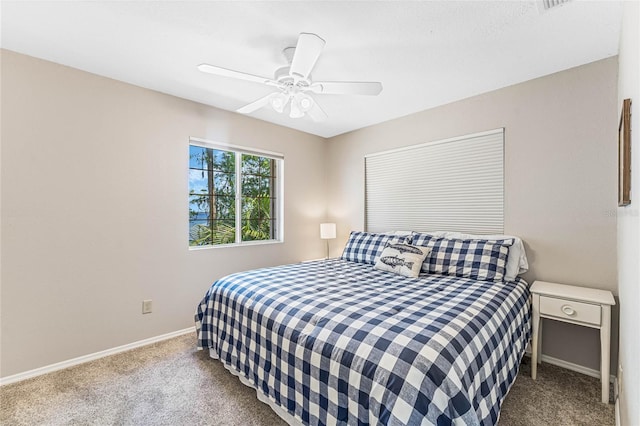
(450,185)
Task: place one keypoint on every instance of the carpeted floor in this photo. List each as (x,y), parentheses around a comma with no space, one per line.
(170,383)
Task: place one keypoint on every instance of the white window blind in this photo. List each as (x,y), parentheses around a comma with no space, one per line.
(451,185)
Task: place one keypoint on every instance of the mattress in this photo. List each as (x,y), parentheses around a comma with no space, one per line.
(338,342)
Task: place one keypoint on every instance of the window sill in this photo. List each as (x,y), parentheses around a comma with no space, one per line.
(244,244)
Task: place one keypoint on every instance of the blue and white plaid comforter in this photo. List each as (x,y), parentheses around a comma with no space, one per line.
(337,342)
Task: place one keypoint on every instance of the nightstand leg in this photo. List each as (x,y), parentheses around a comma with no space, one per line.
(540,324)
(605,351)
(534,339)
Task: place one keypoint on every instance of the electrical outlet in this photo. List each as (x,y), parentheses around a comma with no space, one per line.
(147,306)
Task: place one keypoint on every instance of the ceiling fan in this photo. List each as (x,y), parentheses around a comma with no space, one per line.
(294,82)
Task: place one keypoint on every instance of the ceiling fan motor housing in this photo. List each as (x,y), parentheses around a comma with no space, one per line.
(283,75)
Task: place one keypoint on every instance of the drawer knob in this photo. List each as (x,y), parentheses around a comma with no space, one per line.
(568,310)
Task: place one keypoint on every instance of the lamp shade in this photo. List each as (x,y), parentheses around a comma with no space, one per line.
(327,231)
(278,101)
(295,111)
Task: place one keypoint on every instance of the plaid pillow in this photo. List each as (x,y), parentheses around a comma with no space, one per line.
(365,247)
(483,260)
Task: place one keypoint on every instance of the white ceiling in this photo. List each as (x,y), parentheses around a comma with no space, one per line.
(425,53)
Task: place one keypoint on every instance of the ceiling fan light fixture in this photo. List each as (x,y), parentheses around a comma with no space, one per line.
(296,111)
(304,101)
(278,102)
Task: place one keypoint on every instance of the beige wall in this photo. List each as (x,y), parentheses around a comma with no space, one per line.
(560,178)
(629,224)
(94,210)
(94,215)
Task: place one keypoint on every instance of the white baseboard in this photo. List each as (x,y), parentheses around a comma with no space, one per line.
(91,357)
(616,394)
(573,367)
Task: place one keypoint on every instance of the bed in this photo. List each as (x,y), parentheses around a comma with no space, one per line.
(340,341)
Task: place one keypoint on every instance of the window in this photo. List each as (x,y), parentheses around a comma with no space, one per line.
(234,195)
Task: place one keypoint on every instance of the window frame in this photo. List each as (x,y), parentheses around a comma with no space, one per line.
(239,150)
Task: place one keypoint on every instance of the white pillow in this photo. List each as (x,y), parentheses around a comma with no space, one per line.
(399,233)
(402,259)
(435,234)
(516,262)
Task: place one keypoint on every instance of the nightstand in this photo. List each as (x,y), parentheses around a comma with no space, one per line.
(587,307)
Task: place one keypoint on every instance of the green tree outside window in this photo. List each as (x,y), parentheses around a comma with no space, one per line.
(213,194)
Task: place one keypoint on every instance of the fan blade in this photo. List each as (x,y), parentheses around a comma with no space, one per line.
(249,108)
(370,88)
(316,113)
(306,54)
(212,69)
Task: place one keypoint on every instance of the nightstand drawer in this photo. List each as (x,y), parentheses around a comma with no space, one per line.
(569,309)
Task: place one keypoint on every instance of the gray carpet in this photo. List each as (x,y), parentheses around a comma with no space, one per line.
(170,383)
